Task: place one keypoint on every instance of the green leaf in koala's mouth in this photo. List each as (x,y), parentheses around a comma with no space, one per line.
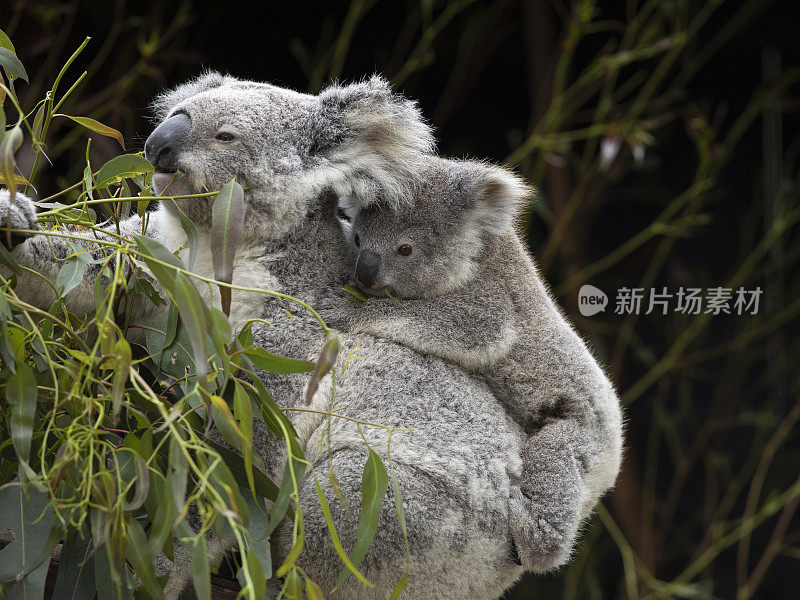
(355,292)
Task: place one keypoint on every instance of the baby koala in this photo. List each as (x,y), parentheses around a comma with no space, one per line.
(452,279)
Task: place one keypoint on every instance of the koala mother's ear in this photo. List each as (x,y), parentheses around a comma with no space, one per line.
(163,104)
(377,138)
(494,196)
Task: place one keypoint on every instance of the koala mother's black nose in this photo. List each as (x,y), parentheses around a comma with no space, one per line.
(368,265)
(163,144)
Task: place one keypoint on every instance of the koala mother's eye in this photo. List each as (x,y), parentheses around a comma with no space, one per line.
(404,250)
(224,136)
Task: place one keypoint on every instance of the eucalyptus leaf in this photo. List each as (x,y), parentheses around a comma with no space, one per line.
(201,577)
(75,578)
(38,123)
(122,365)
(177,473)
(104,576)
(162,511)
(243,411)
(313,591)
(401,518)
(224,421)
(71,272)
(294,587)
(175,358)
(29,515)
(227,221)
(259,538)
(13,66)
(281,504)
(141,483)
(223,481)
(10,141)
(325,362)
(273,416)
(195,317)
(21,392)
(374,484)
(154,255)
(191,235)
(137,552)
(6,347)
(326,512)
(5,42)
(221,333)
(274,363)
(264,486)
(121,167)
(355,292)
(98,127)
(172,324)
(144,286)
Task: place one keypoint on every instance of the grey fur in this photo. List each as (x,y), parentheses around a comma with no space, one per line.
(459,467)
(469,293)
(19,213)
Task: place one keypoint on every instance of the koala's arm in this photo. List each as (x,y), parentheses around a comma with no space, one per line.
(573,453)
(45,254)
(462,327)
(567,465)
(551,376)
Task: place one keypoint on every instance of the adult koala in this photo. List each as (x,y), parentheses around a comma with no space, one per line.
(297,154)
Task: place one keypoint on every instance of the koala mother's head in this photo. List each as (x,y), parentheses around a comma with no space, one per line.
(286,147)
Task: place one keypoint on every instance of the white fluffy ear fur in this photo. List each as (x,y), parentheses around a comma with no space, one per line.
(498,195)
(382,134)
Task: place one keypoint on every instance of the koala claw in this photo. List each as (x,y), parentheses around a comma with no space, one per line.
(543,542)
(17,214)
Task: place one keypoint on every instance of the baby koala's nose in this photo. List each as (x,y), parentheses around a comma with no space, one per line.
(368,266)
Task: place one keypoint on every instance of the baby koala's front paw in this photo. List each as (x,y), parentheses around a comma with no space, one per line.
(19,214)
(543,535)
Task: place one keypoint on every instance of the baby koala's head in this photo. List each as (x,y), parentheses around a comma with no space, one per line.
(431,245)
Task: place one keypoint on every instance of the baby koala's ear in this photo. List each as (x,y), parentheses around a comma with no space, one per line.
(494,197)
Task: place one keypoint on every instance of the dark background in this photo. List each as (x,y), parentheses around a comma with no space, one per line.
(719,412)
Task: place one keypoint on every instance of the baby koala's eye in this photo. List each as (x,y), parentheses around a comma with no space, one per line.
(404,250)
(224,136)
(357,241)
